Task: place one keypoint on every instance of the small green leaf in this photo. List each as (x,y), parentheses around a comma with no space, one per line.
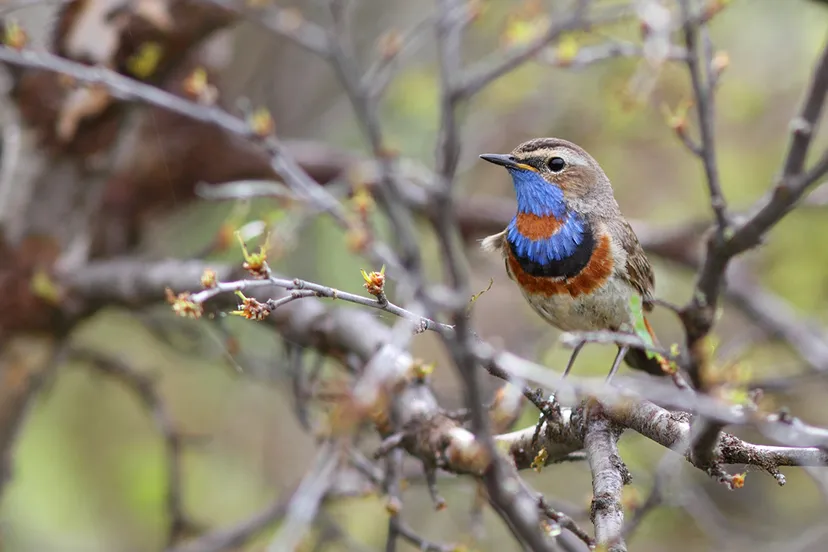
(640,327)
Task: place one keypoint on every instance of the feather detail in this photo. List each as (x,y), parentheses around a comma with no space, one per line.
(594,274)
(536,196)
(546,240)
(493,243)
(638,271)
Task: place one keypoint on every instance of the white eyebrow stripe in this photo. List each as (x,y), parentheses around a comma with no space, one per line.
(571,157)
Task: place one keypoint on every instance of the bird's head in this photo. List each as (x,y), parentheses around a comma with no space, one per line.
(550,174)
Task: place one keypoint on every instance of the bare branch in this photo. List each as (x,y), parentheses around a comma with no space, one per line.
(440,441)
(401,529)
(421,543)
(238,534)
(723,245)
(344,486)
(179,523)
(623,403)
(793,183)
(379,75)
(386,377)
(392,489)
(803,127)
(287,22)
(611,49)
(128,89)
(703,92)
(317,290)
(483,73)
(449,38)
(390,192)
(573,339)
(609,475)
(773,314)
(449,34)
(134,282)
(23,371)
(303,506)
(566,522)
(669,429)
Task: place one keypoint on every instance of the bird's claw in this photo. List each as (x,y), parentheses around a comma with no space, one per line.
(549,410)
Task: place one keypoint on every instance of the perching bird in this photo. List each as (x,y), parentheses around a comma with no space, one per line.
(571,252)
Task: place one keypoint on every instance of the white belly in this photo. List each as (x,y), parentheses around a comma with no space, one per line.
(607,308)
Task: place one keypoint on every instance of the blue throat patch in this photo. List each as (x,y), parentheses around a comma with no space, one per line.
(538,197)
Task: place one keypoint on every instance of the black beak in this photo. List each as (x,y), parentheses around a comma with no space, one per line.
(504,160)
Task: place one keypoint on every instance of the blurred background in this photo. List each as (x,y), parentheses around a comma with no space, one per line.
(89,472)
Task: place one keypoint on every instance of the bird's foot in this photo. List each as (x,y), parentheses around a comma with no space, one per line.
(550,410)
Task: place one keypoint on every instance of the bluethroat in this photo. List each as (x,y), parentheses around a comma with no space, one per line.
(571,252)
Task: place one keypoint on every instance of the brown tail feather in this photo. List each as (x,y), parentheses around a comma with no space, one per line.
(637,358)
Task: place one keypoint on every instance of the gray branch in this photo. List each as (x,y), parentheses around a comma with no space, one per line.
(609,475)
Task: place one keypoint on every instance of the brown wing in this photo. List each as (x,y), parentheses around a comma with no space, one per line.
(639,273)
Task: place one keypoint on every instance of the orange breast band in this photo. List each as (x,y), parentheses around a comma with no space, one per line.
(594,275)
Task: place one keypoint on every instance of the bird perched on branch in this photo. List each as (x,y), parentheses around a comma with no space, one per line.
(571,252)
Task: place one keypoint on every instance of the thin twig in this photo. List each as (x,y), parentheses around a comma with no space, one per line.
(703,92)
(480,75)
(392,489)
(391,194)
(708,431)
(401,529)
(565,522)
(379,75)
(238,534)
(304,504)
(285,22)
(135,282)
(312,289)
(23,374)
(144,387)
(792,184)
(125,88)
(449,37)
(609,50)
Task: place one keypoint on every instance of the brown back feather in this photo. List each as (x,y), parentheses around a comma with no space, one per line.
(639,273)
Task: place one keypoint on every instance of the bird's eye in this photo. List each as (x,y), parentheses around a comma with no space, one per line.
(556,164)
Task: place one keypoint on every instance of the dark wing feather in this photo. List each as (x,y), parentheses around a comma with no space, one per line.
(638,273)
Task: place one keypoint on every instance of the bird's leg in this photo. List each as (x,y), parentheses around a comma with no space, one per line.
(549,404)
(622,352)
(549,410)
(572,358)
